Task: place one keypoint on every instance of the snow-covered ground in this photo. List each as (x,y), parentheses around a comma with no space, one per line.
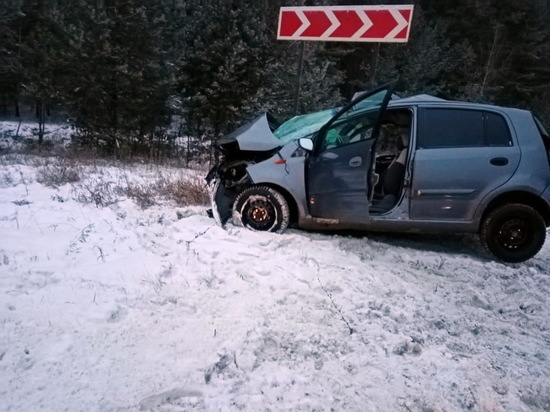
(116,308)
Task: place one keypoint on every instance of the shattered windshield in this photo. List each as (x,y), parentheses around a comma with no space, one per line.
(302,126)
(307,124)
(369,103)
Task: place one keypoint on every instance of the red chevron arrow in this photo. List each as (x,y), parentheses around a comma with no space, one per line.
(407,15)
(346,23)
(350,23)
(320,23)
(382,24)
(291,23)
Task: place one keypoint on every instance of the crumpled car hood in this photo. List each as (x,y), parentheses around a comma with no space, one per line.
(254,136)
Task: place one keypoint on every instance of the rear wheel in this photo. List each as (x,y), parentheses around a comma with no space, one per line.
(513,232)
(261,208)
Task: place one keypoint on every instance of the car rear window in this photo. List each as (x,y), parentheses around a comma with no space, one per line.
(445,128)
(496,130)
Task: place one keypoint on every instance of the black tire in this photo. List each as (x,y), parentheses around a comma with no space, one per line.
(513,232)
(261,208)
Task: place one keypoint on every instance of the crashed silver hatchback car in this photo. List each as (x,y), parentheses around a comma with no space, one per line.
(382,163)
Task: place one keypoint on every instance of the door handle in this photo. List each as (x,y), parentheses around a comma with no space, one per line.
(329,155)
(355,161)
(499,161)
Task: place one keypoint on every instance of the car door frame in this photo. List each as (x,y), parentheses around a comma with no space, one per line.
(359,210)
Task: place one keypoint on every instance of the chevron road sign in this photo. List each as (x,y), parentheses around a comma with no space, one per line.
(346,23)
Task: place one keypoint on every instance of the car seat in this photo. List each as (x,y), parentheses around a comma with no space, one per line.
(392,179)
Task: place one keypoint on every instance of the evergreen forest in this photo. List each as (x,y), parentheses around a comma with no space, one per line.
(167,77)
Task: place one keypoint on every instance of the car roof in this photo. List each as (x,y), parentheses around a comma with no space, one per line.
(426,99)
(417,98)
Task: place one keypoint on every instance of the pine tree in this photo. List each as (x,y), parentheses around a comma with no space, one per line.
(222,72)
(123,68)
(117,85)
(39,41)
(504,44)
(234,69)
(10,56)
(301,77)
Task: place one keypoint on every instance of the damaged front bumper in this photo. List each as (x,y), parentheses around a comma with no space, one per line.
(221,200)
(223,193)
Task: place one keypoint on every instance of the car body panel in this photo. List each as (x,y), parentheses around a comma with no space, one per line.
(285,171)
(254,136)
(337,184)
(440,195)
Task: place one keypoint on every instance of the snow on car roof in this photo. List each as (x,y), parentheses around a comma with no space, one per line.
(419,97)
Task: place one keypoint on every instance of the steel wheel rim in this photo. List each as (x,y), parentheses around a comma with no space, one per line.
(260,214)
(514,234)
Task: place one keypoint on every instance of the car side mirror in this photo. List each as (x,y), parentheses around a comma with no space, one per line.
(306,144)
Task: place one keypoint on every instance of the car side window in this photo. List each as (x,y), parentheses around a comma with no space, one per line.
(349,131)
(496,130)
(446,128)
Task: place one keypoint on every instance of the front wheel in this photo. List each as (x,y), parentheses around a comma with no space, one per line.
(261,208)
(513,232)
